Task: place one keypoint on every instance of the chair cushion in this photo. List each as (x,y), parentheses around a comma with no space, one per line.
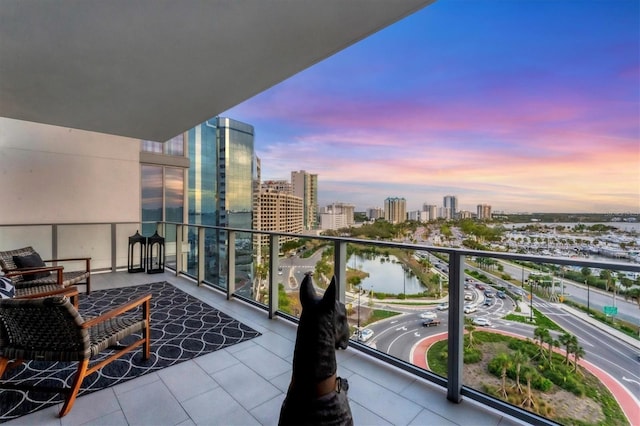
(31,261)
(7,289)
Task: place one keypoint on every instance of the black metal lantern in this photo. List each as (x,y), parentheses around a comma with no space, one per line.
(137,245)
(155,254)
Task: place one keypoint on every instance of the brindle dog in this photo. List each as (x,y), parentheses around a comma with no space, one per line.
(316,396)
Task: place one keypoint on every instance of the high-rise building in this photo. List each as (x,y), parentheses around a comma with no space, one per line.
(278,185)
(483,212)
(348,210)
(374,213)
(451,202)
(305,186)
(279,212)
(431,210)
(221,185)
(395,210)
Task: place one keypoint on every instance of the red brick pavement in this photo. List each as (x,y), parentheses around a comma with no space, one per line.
(628,402)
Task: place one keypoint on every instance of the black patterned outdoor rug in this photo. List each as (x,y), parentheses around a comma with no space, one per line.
(182,328)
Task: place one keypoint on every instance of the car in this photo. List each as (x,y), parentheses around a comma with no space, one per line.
(430,322)
(428,315)
(363,335)
(468,296)
(479,286)
(501,294)
(488,293)
(469,308)
(488,302)
(482,322)
(443,306)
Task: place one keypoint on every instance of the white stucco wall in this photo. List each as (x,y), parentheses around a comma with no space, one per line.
(60,175)
(56,175)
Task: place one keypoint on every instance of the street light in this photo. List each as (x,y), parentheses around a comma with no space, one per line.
(586,282)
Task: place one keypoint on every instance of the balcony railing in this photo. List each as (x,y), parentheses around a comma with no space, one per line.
(203,253)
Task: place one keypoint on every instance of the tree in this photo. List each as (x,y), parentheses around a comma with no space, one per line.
(578,353)
(470,329)
(568,341)
(518,358)
(541,334)
(504,362)
(528,402)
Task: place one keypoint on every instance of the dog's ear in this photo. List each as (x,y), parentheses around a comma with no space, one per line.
(307,292)
(329,298)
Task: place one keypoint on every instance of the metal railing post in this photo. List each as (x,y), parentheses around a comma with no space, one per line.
(456,327)
(202,261)
(178,249)
(231,263)
(340,268)
(114,247)
(274,249)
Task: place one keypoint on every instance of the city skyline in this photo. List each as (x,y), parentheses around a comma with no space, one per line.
(525,106)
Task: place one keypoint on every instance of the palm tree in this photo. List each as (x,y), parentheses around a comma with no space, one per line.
(568,341)
(528,401)
(552,343)
(518,358)
(578,352)
(470,329)
(541,334)
(504,362)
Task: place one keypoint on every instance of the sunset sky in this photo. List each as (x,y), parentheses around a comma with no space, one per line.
(529,106)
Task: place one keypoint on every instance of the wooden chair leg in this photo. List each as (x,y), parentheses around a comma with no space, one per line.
(146,333)
(3,365)
(75,387)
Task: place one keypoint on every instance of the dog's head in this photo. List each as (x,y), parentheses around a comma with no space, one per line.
(328,311)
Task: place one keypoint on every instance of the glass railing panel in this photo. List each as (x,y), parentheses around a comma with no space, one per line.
(528,324)
(37,236)
(73,242)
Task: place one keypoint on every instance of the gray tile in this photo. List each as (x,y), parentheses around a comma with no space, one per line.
(217,407)
(242,345)
(429,418)
(114,419)
(186,380)
(216,361)
(277,344)
(152,404)
(364,417)
(137,382)
(92,406)
(262,361)
(282,381)
(391,378)
(269,412)
(246,386)
(381,401)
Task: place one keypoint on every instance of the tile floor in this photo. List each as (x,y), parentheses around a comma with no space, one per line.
(245,384)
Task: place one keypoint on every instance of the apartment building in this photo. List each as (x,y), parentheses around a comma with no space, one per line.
(395,209)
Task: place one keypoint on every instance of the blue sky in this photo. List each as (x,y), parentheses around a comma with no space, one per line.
(528,106)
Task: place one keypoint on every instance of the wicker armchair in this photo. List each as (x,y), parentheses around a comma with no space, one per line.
(51,329)
(39,274)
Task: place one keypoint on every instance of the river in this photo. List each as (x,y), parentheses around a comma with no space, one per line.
(386,276)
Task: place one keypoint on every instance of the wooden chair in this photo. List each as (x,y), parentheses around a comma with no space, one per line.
(38,272)
(51,329)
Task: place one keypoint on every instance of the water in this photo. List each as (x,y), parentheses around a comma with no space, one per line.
(622,226)
(387,276)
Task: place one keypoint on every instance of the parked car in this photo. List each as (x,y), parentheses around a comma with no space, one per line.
(479,286)
(482,322)
(443,306)
(363,335)
(488,293)
(501,294)
(469,308)
(468,296)
(428,315)
(488,301)
(430,322)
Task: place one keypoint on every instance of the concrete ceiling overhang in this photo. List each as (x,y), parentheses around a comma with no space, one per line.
(151,69)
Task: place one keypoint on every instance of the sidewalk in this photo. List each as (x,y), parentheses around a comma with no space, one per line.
(587,318)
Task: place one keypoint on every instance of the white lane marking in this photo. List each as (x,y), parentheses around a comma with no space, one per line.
(630,380)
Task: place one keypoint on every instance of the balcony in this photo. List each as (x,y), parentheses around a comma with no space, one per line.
(246,383)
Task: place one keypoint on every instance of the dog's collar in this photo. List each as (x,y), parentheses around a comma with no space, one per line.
(332,383)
